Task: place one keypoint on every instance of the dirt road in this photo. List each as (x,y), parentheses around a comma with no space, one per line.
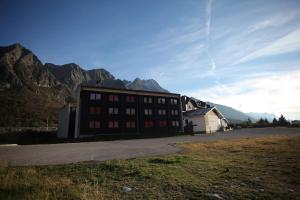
(50,154)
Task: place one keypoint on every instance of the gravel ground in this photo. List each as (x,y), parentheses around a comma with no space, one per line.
(50,154)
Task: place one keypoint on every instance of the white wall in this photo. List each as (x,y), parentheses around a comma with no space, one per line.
(209,123)
(213,122)
(224,123)
(198,121)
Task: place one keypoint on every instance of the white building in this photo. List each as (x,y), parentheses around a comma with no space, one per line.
(199,117)
(205,120)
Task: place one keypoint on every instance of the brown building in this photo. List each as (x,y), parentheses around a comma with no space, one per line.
(102,110)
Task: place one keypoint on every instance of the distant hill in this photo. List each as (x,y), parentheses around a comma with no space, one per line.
(257,116)
(32,92)
(236,116)
(233,115)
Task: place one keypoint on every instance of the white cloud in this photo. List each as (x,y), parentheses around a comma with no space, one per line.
(274,93)
(286,44)
(208,18)
(275,20)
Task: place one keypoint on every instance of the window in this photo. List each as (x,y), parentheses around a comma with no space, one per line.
(147,99)
(91,124)
(130,111)
(92,96)
(148,111)
(161,112)
(98,96)
(95,96)
(94,110)
(113,124)
(113,98)
(97,124)
(94,124)
(174,101)
(174,112)
(175,123)
(97,110)
(130,99)
(161,100)
(116,124)
(130,124)
(148,124)
(162,123)
(113,111)
(110,124)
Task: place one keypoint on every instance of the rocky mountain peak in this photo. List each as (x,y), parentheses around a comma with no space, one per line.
(148,84)
(19,67)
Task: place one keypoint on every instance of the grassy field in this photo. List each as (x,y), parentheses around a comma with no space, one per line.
(261,168)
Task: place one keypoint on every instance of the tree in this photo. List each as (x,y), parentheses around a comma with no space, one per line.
(282,121)
(275,122)
(261,121)
(249,122)
(266,121)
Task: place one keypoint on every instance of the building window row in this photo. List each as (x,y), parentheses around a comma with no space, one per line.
(111,124)
(175,123)
(129,111)
(113,98)
(94,124)
(113,111)
(131,99)
(95,96)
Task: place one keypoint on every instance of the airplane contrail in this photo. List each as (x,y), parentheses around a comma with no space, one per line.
(208,27)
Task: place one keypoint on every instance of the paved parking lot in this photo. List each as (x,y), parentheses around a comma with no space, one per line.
(49,154)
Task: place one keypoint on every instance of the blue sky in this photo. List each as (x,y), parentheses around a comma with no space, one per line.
(245,54)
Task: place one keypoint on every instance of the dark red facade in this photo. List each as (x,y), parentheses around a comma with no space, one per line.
(110,111)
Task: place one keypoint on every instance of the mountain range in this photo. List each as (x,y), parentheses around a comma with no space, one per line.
(31,93)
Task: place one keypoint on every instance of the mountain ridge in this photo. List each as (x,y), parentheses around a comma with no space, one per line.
(33,92)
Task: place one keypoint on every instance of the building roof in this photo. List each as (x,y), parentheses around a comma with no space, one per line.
(199,111)
(127,91)
(204,111)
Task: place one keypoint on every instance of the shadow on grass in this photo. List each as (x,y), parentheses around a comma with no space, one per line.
(163,161)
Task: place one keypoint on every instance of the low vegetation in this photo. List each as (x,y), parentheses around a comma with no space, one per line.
(263,168)
(262,123)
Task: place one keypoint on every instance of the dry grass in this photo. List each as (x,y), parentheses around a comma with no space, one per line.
(260,168)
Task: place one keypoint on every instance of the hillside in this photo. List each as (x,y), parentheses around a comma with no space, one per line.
(233,115)
(31,92)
